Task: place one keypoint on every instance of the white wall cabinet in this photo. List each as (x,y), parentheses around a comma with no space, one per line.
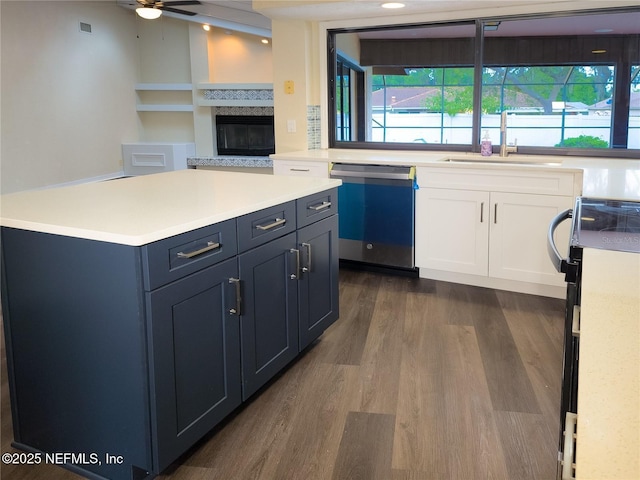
(489,227)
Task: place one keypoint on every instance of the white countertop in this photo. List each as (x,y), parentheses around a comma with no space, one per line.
(139,210)
(602,177)
(608,441)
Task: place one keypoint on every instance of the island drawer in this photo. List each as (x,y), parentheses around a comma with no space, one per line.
(315,207)
(259,227)
(175,257)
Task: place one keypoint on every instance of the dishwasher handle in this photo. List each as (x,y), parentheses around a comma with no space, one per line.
(557,259)
(365,174)
(384,172)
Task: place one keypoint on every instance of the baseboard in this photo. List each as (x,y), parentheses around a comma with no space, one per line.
(552,291)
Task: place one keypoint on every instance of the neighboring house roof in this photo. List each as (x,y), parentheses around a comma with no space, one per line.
(403,97)
(634,103)
(416,98)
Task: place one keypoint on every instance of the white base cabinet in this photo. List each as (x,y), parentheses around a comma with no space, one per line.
(518,236)
(452,230)
(489,227)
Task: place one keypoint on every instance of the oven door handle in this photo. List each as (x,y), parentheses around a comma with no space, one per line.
(554,254)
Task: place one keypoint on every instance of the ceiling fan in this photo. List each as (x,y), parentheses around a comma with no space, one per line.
(151,9)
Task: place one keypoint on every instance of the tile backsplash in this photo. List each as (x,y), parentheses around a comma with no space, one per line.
(313,127)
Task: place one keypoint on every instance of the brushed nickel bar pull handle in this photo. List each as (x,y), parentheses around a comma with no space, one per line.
(320,206)
(238,309)
(277,222)
(299,170)
(495,213)
(482,212)
(568,467)
(575,325)
(210,246)
(294,276)
(308,267)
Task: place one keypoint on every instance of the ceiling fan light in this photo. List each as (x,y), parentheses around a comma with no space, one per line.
(148,13)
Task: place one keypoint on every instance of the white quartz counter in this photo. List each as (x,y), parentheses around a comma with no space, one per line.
(602,177)
(139,210)
(608,441)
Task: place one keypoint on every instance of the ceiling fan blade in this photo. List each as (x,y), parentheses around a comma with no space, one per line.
(181,2)
(176,10)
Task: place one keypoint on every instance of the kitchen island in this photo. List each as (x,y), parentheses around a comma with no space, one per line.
(140,312)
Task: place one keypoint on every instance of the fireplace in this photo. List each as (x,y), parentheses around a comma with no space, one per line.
(245,135)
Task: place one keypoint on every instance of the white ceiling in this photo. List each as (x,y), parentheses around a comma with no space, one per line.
(240,14)
(600,24)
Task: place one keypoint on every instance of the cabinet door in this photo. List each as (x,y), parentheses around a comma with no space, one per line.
(452,230)
(518,245)
(318,285)
(195,350)
(269,316)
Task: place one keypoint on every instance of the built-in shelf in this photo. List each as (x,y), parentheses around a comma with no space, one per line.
(163,86)
(164,107)
(235,86)
(235,103)
(211,95)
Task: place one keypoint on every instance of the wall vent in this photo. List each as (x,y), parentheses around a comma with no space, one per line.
(85,27)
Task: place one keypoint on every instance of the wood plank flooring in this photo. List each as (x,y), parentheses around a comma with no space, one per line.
(418,380)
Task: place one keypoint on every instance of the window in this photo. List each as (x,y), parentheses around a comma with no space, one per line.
(634,108)
(424,105)
(549,106)
(570,84)
(343,102)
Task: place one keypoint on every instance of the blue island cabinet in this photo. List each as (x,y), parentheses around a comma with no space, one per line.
(125,356)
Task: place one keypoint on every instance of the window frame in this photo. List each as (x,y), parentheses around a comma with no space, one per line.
(619,126)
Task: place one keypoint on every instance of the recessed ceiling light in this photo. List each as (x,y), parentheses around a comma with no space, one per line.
(393,5)
(265,41)
(206,27)
(602,50)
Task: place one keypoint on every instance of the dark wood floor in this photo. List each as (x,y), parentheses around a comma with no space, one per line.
(418,380)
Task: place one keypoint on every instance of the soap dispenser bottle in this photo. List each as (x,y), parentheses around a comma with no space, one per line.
(485,145)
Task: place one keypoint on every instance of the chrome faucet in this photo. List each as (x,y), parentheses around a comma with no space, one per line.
(504,148)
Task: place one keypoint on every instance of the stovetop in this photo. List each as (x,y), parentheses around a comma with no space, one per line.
(606,224)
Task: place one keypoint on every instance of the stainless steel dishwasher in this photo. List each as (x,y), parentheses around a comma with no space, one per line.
(376,206)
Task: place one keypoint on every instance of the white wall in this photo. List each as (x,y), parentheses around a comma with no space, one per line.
(292,55)
(238,58)
(68,101)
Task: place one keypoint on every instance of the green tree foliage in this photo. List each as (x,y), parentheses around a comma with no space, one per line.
(583,141)
(506,86)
